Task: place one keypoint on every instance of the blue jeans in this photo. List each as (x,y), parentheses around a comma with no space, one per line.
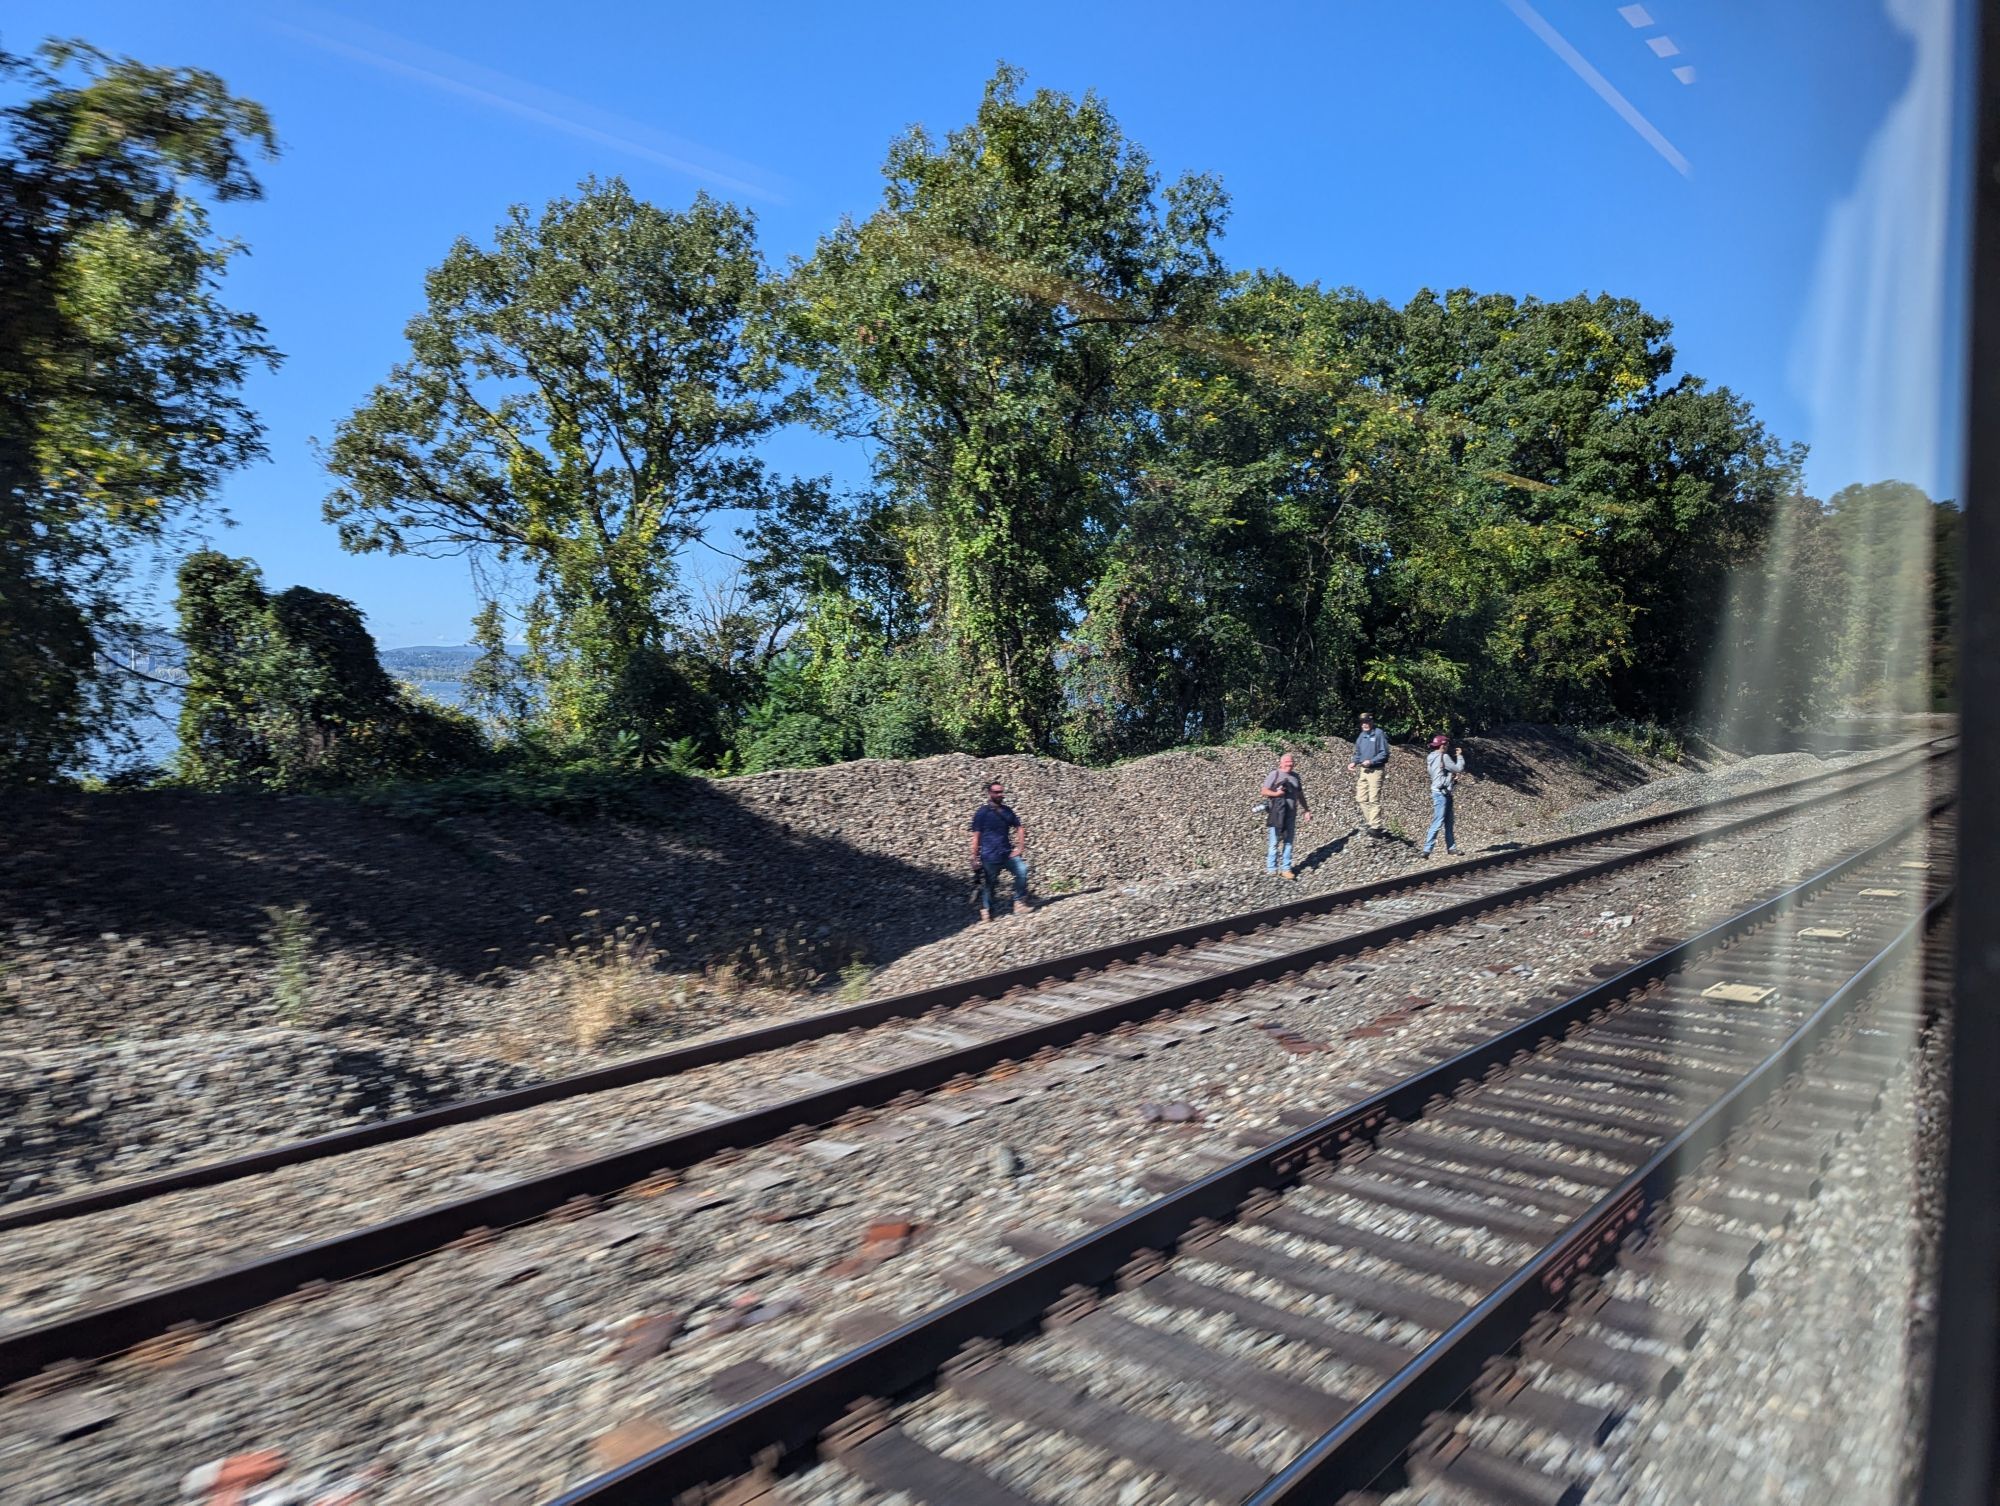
(1278,854)
(1440,816)
(989,879)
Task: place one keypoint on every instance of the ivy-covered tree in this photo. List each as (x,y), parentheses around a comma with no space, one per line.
(120,366)
(1284,497)
(988,331)
(579,395)
(496,688)
(852,670)
(1473,506)
(286,692)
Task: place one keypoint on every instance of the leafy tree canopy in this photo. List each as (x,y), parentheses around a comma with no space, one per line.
(982,331)
(578,395)
(120,365)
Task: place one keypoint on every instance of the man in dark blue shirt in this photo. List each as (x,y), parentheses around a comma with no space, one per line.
(999,840)
(1371,752)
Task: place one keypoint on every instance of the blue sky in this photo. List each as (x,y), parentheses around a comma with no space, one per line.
(1803,254)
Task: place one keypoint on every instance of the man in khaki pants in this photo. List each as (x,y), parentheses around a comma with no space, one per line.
(1371,752)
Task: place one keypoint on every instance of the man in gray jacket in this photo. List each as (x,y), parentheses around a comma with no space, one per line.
(1444,769)
(1371,752)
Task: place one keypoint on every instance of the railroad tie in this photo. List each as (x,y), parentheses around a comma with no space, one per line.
(1480,1471)
(1446,1208)
(1543,1199)
(1016,1392)
(1304,1409)
(1391,1299)
(1419,1255)
(1502,1158)
(1554,1343)
(1505,1391)
(892,1460)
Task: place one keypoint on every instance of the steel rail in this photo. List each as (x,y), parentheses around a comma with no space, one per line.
(787,1421)
(1373,1437)
(225,1293)
(874,1012)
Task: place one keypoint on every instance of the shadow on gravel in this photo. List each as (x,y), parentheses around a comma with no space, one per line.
(1324,851)
(1049,901)
(1519,765)
(148,913)
(463,894)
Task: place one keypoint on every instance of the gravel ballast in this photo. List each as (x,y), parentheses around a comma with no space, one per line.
(509,1360)
(1808,1390)
(370,964)
(93,1259)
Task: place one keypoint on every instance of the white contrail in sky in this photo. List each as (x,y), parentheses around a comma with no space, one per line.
(1580,66)
(454,75)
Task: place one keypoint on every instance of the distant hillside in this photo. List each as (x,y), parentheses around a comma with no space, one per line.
(430,661)
(161,655)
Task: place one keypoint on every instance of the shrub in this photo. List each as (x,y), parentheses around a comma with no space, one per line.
(854,981)
(286,692)
(795,740)
(1641,739)
(290,938)
(1257,737)
(578,792)
(899,727)
(608,980)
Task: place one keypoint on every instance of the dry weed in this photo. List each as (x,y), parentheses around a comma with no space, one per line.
(514,1046)
(607,979)
(765,963)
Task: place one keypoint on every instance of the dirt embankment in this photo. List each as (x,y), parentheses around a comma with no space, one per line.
(182,969)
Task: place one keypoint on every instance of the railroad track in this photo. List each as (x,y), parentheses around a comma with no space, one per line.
(1486,1447)
(1292,1327)
(1155,979)
(1205,959)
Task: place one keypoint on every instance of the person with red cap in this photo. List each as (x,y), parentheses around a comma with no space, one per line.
(1445,768)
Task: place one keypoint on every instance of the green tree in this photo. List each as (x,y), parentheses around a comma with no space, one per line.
(1947,587)
(1618,502)
(1774,666)
(1473,506)
(580,396)
(496,688)
(286,692)
(1897,560)
(120,366)
(847,670)
(989,330)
